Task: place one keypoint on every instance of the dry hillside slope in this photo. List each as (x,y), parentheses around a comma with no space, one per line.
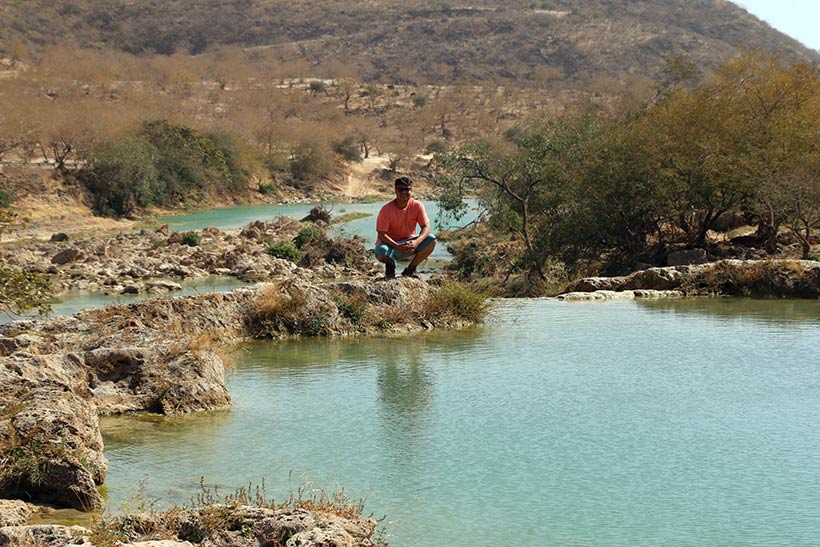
(560,43)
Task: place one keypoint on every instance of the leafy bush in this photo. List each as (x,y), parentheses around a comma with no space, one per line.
(284,249)
(354,308)
(122,175)
(419,100)
(191,239)
(6,198)
(165,164)
(309,233)
(267,188)
(437,146)
(312,161)
(287,309)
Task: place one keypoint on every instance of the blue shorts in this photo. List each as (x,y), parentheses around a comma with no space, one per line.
(383,249)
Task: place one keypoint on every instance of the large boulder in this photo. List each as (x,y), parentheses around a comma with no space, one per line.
(52,450)
(170,381)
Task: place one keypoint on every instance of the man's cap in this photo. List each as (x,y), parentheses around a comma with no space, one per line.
(404,181)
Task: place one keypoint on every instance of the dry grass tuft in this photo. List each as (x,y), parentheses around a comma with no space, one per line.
(455,300)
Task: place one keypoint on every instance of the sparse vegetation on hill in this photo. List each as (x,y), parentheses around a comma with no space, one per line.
(542,42)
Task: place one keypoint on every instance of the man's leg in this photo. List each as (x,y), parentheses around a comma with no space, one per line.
(383,254)
(426,248)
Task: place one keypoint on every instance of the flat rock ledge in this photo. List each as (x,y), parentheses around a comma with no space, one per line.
(619,295)
(759,278)
(213,526)
(166,355)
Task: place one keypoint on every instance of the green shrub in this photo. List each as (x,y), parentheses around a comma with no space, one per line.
(437,146)
(267,188)
(166,164)
(312,161)
(191,239)
(419,100)
(309,233)
(243,160)
(284,249)
(6,198)
(353,307)
(122,175)
(814,256)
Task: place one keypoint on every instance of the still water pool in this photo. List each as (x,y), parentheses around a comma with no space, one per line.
(598,424)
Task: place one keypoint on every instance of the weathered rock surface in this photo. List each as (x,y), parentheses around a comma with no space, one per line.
(780,278)
(15,512)
(214,526)
(143,262)
(44,534)
(619,295)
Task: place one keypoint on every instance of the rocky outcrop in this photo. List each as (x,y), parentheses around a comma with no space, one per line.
(619,295)
(145,262)
(763,278)
(15,512)
(213,525)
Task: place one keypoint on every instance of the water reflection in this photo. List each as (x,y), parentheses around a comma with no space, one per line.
(775,311)
(406,390)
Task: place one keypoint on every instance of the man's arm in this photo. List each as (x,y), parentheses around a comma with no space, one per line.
(406,247)
(425,231)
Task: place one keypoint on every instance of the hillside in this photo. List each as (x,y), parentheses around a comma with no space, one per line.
(555,43)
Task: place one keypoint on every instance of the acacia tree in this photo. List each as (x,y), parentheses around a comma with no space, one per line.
(778,108)
(522,181)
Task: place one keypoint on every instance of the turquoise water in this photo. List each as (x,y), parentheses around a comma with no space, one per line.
(75,301)
(558,423)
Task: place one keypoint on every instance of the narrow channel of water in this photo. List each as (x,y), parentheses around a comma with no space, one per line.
(629,423)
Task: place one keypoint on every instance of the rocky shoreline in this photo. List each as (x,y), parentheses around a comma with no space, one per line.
(299,523)
(164,355)
(155,262)
(776,278)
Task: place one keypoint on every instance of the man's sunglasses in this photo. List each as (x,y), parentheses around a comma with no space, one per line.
(403,189)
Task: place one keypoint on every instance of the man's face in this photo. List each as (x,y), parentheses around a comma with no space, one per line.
(403,192)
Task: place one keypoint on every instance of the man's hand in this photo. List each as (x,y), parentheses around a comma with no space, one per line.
(408,247)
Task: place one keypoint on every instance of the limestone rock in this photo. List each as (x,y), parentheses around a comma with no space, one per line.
(50,535)
(59,452)
(15,512)
(66,256)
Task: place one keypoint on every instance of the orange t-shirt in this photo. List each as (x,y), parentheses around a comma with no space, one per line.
(401,223)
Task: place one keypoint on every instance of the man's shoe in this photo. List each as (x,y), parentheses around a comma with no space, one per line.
(409,272)
(390,270)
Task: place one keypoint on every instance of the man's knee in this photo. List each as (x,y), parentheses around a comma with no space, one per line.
(428,244)
(383,253)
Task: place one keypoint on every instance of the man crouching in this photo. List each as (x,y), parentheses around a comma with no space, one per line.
(396,226)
